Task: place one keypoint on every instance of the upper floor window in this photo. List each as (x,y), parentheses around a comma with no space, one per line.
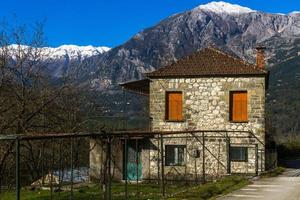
(238,106)
(174,106)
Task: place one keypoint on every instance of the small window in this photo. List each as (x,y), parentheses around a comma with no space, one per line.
(239,154)
(175,155)
(238,106)
(174,106)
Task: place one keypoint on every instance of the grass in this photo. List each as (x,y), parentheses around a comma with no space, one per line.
(213,189)
(272,173)
(145,191)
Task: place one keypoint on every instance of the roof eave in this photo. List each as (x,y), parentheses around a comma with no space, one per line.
(207,75)
(137,86)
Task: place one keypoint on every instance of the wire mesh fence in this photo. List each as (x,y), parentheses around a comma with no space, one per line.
(121,165)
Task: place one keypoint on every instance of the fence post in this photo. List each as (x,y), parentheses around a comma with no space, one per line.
(276,157)
(256,159)
(60,171)
(105,171)
(261,160)
(43,163)
(203,158)
(71,194)
(18,169)
(125,168)
(51,171)
(137,166)
(228,155)
(109,167)
(162,165)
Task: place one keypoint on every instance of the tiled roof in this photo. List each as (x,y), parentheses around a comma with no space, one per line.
(207,62)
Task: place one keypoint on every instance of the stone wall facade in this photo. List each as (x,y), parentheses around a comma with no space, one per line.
(206,105)
(98,160)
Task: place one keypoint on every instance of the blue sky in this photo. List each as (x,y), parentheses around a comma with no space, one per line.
(110,22)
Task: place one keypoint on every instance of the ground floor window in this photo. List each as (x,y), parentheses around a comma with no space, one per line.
(239,154)
(174,155)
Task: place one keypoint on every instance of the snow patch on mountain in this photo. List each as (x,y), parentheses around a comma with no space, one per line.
(224,7)
(294,13)
(65,51)
(74,51)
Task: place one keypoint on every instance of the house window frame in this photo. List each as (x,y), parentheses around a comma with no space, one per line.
(167,119)
(231,106)
(245,159)
(183,156)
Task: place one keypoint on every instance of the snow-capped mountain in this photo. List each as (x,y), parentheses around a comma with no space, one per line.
(64,51)
(62,59)
(223,7)
(232,28)
(75,52)
(66,58)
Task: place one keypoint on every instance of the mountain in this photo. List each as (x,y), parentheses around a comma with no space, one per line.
(63,58)
(232,28)
(60,59)
(283,98)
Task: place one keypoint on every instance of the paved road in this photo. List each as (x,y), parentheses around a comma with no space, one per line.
(284,187)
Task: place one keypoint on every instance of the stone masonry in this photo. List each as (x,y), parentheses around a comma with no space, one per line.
(206,107)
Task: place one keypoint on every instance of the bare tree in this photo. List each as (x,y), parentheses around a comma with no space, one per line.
(30,101)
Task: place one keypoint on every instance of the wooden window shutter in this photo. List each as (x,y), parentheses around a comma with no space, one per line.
(174,106)
(239,106)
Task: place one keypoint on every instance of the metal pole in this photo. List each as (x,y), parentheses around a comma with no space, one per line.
(158,164)
(196,174)
(137,167)
(52,166)
(106,171)
(71,194)
(18,187)
(125,111)
(256,159)
(43,163)
(125,168)
(109,167)
(203,158)
(102,172)
(60,176)
(228,156)
(162,165)
(261,160)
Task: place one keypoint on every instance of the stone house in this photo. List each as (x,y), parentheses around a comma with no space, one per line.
(207,114)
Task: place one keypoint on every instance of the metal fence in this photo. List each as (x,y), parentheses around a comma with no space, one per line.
(120,165)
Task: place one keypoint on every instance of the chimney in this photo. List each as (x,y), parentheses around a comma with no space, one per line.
(260,57)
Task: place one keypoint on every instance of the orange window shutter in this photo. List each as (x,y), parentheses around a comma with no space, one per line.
(175,106)
(178,102)
(235,100)
(171,106)
(244,105)
(239,106)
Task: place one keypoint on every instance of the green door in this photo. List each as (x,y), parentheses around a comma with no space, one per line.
(134,164)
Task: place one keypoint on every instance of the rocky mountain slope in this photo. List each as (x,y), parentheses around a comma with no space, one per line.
(232,28)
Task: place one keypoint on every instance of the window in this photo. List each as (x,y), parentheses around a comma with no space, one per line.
(174,155)
(238,107)
(174,106)
(239,154)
